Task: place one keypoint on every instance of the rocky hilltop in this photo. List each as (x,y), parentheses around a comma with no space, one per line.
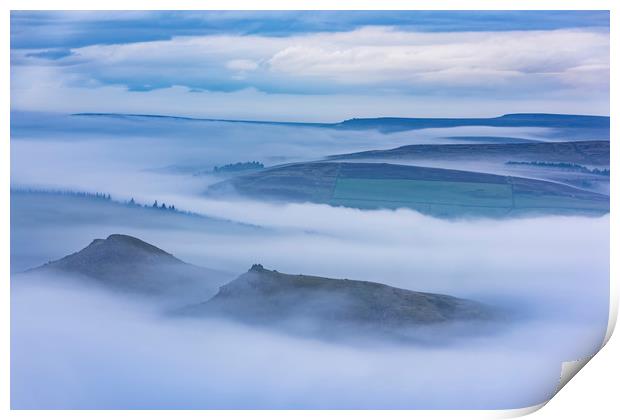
(128,264)
(304,303)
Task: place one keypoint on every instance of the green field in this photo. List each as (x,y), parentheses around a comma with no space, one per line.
(451,198)
(408,191)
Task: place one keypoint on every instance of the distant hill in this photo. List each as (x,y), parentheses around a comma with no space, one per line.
(434,191)
(508,120)
(579,152)
(126,264)
(490,139)
(584,127)
(334,307)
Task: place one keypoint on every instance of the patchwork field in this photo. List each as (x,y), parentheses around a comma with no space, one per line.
(439,192)
(424,192)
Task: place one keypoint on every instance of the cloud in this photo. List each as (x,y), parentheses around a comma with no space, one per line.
(71,29)
(54,54)
(376,68)
(241,64)
(425,61)
(367,58)
(45,91)
(318,20)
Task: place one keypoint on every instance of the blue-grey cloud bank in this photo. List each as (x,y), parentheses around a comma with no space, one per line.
(311,66)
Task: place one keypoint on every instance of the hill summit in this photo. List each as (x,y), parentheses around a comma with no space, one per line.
(333,306)
(128,264)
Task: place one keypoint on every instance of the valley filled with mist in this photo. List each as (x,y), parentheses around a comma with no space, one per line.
(162,262)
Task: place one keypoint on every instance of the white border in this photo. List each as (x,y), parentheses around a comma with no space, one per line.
(594,392)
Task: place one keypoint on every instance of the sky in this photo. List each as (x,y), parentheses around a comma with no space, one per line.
(311,66)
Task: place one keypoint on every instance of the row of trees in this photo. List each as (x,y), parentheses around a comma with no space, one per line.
(239,166)
(563,165)
(83,194)
(102,196)
(155,205)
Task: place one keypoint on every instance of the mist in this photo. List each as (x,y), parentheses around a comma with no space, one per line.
(79,347)
(146,157)
(75,346)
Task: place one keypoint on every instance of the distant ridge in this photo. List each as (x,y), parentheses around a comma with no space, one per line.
(582,152)
(507,120)
(405,123)
(172,117)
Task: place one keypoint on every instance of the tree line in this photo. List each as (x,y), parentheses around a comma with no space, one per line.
(563,165)
(239,166)
(100,196)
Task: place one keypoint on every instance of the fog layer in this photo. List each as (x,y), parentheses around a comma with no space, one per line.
(75,347)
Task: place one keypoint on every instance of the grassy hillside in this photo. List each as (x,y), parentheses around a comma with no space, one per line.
(438,192)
